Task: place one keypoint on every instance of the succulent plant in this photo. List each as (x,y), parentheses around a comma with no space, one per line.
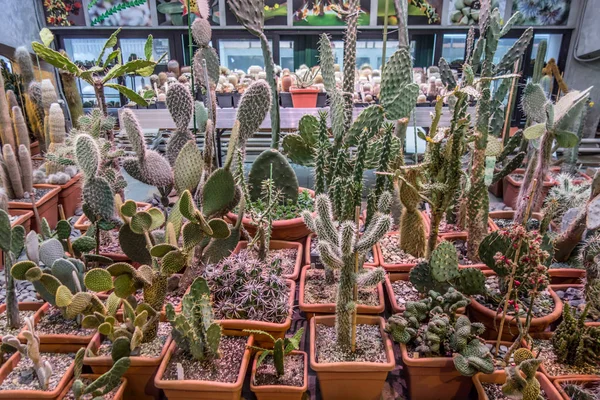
(180,104)
(574,342)
(12,240)
(194,329)
(521,382)
(589,256)
(102,385)
(281,348)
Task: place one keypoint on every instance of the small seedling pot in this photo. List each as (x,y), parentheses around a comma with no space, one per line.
(304,97)
(499,377)
(279,392)
(278,245)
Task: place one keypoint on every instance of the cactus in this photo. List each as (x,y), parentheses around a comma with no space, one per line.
(35,112)
(442,271)
(194,329)
(56,136)
(281,348)
(284,177)
(102,385)
(589,256)
(42,368)
(3,201)
(574,342)
(16,172)
(11,243)
(412,227)
(23,59)
(180,104)
(71,91)
(20,127)
(577,392)
(49,97)
(521,382)
(7,136)
(341,249)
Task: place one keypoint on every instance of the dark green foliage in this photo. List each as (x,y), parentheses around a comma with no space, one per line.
(284,177)
(574,342)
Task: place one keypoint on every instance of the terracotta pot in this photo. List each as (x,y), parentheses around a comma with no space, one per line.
(279,392)
(24,218)
(511,189)
(304,98)
(587,381)
(277,245)
(83,223)
(480,313)
(580,177)
(499,377)
(509,214)
(34,148)
(70,195)
(393,267)
(190,389)
(286,83)
(312,310)
(284,229)
(316,259)
(119,394)
(351,380)
(277,330)
(454,236)
(47,206)
(563,287)
(393,277)
(428,219)
(55,394)
(566,275)
(496,188)
(58,342)
(140,375)
(23,306)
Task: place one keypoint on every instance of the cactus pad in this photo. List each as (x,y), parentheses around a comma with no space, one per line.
(284,177)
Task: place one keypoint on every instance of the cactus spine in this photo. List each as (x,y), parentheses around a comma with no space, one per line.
(20,127)
(412,226)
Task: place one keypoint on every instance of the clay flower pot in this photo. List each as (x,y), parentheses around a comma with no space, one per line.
(511,188)
(393,277)
(118,395)
(499,377)
(191,389)
(24,218)
(587,381)
(55,394)
(283,229)
(34,148)
(23,306)
(140,375)
(83,223)
(70,195)
(47,206)
(395,267)
(277,245)
(508,214)
(312,310)
(480,313)
(58,342)
(304,97)
(310,258)
(351,380)
(559,276)
(279,392)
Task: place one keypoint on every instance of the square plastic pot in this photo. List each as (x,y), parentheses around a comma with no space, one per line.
(70,195)
(499,377)
(279,392)
(118,395)
(47,206)
(278,245)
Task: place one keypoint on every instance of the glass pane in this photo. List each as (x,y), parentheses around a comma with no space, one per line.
(136,46)
(286,54)
(338,52)
(85,51)
(504,45)
(453,47)
(241,53)
(552,39)
(371,52)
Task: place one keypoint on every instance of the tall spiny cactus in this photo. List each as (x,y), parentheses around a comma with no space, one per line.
(342,249)
(16,171)
(35,112)
(180,104)
(351,19)
(49,97)
(589,256)
(57,136)
(72,96)
(23,59)
(7,135)
(20,127)
(574,342)
(322,155)
(482,59)
(412,225)
(12,240)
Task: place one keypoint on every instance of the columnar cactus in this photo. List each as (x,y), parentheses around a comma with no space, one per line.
(49,97)
(574,342)
(341,250)
(16,172)
(72,96)
(7,135)
(35,112)
(23,59)
(412,225)
(102,385)
(57,136)
(31,350)
(194,329)
(11,243)
(521,382)
(20,127)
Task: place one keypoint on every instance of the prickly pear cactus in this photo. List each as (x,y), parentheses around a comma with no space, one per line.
(283,175)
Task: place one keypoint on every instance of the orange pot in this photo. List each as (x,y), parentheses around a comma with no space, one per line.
(351,380)
(284,229)
(47,206)
(58,342)
(480,313)
(395,267)
(571,276)
(317,259)
(587,381)
(190,389)
(23,306)
(279,392)
(55,394)
(119,394)
(511,189)
(508,214)
(277,245)
(304,98)
(312,310)
(24,218)
(499,377)
(140,374)
(83,223)
(70,195)
(34,148)
(393,277)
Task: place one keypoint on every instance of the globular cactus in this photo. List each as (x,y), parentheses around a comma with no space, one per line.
(194,329)
(574,342)
(521,382)
(20,127)
(97,193)
(340,250)
(180,104)
(12,240)
(281,348)
(31,350)
(7,135)
(102,385)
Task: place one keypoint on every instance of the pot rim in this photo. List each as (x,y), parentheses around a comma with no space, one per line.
(118,394)
(280,388)
(54,191)
(55,338)
(136,361)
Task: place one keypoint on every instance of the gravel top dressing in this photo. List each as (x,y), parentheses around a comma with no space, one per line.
(392,254)
(293,372)
(404,291)
(225,369)
(287,258)
(53,323)
(461,250)
(23,377)
(555,368)
(369,345)
(576,299)
(494,391)
(108,396)
(151,349)
(109,242)
(317,291)
(39,193)
(4,330)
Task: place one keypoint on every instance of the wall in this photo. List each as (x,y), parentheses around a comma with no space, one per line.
(21,24)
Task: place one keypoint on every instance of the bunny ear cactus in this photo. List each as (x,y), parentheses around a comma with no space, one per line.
(102,385)
(31,350)
(194,329)
(12,240)
(180,105)
(340,249)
